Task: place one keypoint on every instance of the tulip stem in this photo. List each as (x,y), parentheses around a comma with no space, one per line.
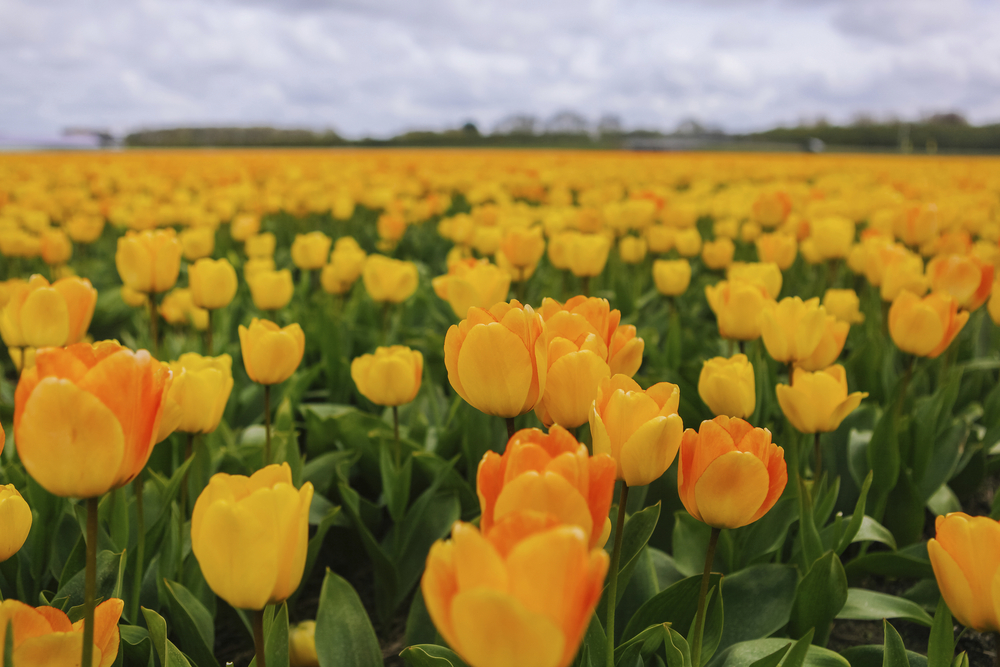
(395,430)
(267,424)
(140,550)
(258,637)
(706,576)
(585,285)
(817,459)
(90,584)
(616,554)
(208,335)
(511,429)
(153,324)
(996,649)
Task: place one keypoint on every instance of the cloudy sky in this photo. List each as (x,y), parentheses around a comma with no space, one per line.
(377,67)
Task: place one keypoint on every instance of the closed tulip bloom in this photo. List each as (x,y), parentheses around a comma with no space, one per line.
(213,283)
(560,248)
(260,245)
(56,247)
(523,247)
(391,376)
(521,595)
(250,535)
(198,242)
(727,386)
(583,315)
(771,208)
(672,276)
(660,238)
(86,416)
(639,429)
(750,232)
(472,283)
(389,279)
(925,326)
(38,314)
(201,388)
(551,473)
(45,636)
(737,306)
(777,248)
(302,644)
(244,226)
(577,363)
(625,354)
(688,242)
(309,251)
(632,249)
(817,402)
(133,298)
(966,277)
(486,240)
(149,261)
(271,290)
(390,228)
(730,473)
(831,344)
(833,236)
(178,308)
(718,254)
(965,555)
(765,275)
(271,354)
(255,266)
(904,273)
(792,328)
(844,304)
(85,228)
(588,253)
(15,519)
(497,358)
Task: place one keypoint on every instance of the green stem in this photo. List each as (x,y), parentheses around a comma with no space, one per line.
(140,550)
(616,554)
(817,459)
(208,336)
(267,424)
(585,285)
(699,621)
(395,428)
(258,637)
(153,325)
(511,429)
(90,584)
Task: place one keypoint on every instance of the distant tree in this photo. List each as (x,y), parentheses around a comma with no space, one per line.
(516,124)
(566,122)
(609,124)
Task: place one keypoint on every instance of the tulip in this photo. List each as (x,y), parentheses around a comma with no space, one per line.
(737,306)
(594,315)
(560,248)
(84,228)
(966,277)
(965,556)
(390,377)
(213,283)
(497,358)
(347,261)
(765,275)
(45,636)
(10,287)
(260,245)
(576,366)
(149,261)
(660,238)
(271,290)
(244,226)
(302,644)
(486,240)
(718,254)
(903,273)
(201,388)
(750,232)
(390,227)
(818,401)
(925,326)
(255,266)
(86,416)
(178,308)
(38,314)
(523,247)
(994,304)
(133,298)
(587,254)
(672,276)
(727,386)
(792,328)
(56,247)
(771,208)
(639,429)
(309,251)
(831,344)
(843,304)
(250,535)
(521,595)
(726,228)
(549,473)
(271,354)
(15,518)
(632,249)
(832,236)
(389,280)
(472,283)
(198,242)
(688,242)
(777,248)
(917,224)
(625,353)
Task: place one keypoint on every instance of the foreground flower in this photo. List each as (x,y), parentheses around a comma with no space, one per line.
(639,429)
(965,555)
(15,519)
(496,359)
(471,283)
(817,402)
(271,354)
(727,386)
(390,280)
(730,473)
(391,376)
(45,636)
(149,261)
(86,417)
(38,314)
(925,326)
(250,535)
(737,306)
(550,473)
(201,388)
(523,595)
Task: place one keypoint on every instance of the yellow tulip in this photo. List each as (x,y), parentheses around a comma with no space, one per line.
(965,555)
(591,315)
(832,236)
(688,242)
(302,644)
(966,277)
(45,636)
(587,254)
(149,261)
(309,251)
(904,273)
(672,276)
(15,519)
(391,376)
(523,247)
(831,344)
(257,265)
(38,314)
(271,290)
(472,283)
(792,328)
(778,248)
(737,306)
(765,275)
(818,401)
(347,261)
(718,254)
(844,304)
(577,362)
(244,226)
(771,208)
(178,308)
(727,386)
(198,242)
(271,354)
(639,429)
(260,245)
(632,249)
(56,247)
(660,238)
(83,228)
(250,535)
(213,283)
(925,326)
(389,280)
(201,388)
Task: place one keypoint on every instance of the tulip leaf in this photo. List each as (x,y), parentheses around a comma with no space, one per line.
(689,542)
(759,602)
(638,529)
(275,636)
(431,655)
(8,643)
(961,660)
(595,641)
(344,634)
(811,543)
(746,653)
(941,644)
(819,598)
(895,652)
(773,659)
(193,624)
(676,605)
(910,562)
(109,566)
(396,478)
(866,605)
(119,518)
(419,626)
(643,644)
(386,577)
(323,470)
(433,523)
(883,456)
(678,653)
(767,534)
(854,525)
(137,647)
(170,655)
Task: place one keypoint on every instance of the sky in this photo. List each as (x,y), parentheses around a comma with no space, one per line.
(379,67)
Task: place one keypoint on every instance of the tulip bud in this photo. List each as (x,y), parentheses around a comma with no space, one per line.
(832,237)
(201,388)
(347,261)
(390,280)
(639,429)
(302,644)
(737,306)
(843,304)
(41,315)
(83,228)
(965,559)
(15,518)
(271,354)
(250,535)
(309,251)
(472,283)
(792,328)
(56,247)
(925,326)
(149,261)
(45,635)
(672,276)
(965,277)
(777,248)
(727,386)
(213,283)
(271,290)
(198,242)
(904,272)
(818,401)
(718,254)
(730,473)
(391,376)
(260,245)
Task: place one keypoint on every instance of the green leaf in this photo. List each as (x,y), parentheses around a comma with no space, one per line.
(276,637)
(759,602)
(941,644)
(395,481)
(961,660)
(431,655)
(169,655)
(902,563)
(746,653)
(432,521)
(638,529)
(386,577)
(857,519)
(895,652)
(676,605)
(136,646)
(883,455)
(712,632)
(799,650)
(677,650)
(109,567)
(767,534)
(820,596)
(773,659)
(944,501)
(595,640)
(866,605)
(811,544)
(872,531)
(643,644)
(193,624)
(689,541)
(344,634)
(8,643)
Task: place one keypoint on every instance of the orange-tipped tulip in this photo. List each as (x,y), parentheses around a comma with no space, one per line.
(730,473)
(965,277)
(45,636)
(391,376)
(87,416)
(41,315)
(925,326)
(550,473)
(965,555)
(271,354)
(818,401)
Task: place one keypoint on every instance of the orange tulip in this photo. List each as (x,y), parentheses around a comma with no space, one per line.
(40,315)
(549,473)
(925,326)
(45,636)
(965,555)
(965,277)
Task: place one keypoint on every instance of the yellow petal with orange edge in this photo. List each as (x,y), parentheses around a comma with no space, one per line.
(45,318)
(477,563)
(571,386)
(954,586)
(548,492)
(55,650)
(731,490)
(648,453)
(493,629)
(495,370)
(439,585)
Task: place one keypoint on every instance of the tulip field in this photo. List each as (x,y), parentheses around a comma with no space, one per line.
(350,408)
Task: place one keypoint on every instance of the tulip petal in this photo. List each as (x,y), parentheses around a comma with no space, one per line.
(477,563)
(495,369)
(549,493)
(45,318)
(954,586)
(649,452)
(731,490)
(494,630)
(571,386)
(57,648)
(439,585)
